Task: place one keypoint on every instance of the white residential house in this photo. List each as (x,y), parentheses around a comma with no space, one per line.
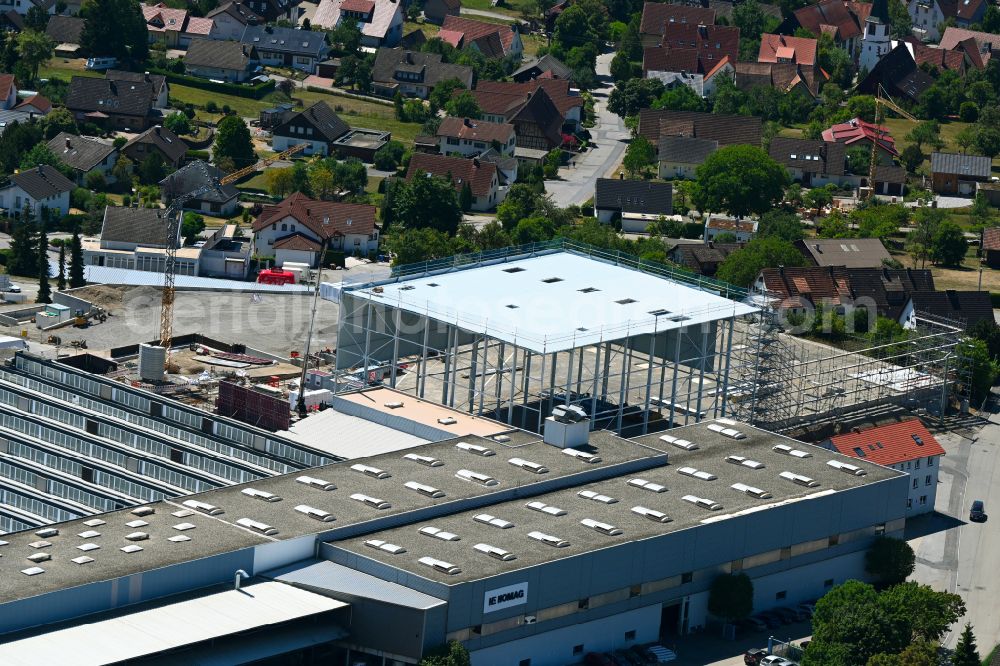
(41,187)
(468,137)
(744,230)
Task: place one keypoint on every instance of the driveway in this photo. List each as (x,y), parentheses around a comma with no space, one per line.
(467,11)
(954,554)
(608,137)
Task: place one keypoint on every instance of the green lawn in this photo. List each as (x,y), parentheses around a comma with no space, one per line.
(255,182)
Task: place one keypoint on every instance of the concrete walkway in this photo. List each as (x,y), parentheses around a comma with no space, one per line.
(608,137)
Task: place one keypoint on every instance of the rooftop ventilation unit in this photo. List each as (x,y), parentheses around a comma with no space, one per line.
(724,421)
(440,565)
(94,522)
(799,479)
(131,549)
(257,526)
(494,552)
(679,443)
(373,472)
(789,451)
(647,485)
(184,527)
(83,559)
(529,466)
(379,544)
(39,544)
(183,513)
(47,532)
(475,448)
(569,413)
(548,539)
(702,502)
(32,571)
(89,534)
(87,547)
(261,495)
(317,514)
(698,474)
(439,534)
(203,507)
(381,505)
(845,467)
(39,557)
(180,538)
(423,489)
(143,511)
(476,477)
(487,519)
(501,438)
(136,523)
(542,507)
(598,526)
(447,420)
(316,483)
(728,432)
(138,536)
(581,455)
(651,514)
(751,491)
(745,462)
(395,404)
(597,497)
(423,460)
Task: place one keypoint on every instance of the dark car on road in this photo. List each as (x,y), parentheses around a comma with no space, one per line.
(753,656)
(978,512)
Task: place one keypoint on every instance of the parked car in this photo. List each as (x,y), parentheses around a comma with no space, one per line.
(770,619)
(787,615)
(753,656)
(13,288)
(774,660)
(978,512)
(106,62)
(753,623)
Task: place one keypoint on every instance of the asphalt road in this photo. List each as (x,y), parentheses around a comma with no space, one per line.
(608,138)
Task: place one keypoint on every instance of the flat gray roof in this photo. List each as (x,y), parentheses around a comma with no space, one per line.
(340,581)
(710,457)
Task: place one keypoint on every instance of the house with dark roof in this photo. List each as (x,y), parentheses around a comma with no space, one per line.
(546,67)
(435,11)
(899,74)
(811,163)
(657,15)
(481,177)
(713,43)
(906,446)
(727,130)
(637,203)
(846,252)
(842,20)
(380,21)
(990,244)
(502,100)
(225,61)
(113,105)
(65,31)
(37,188)
(158,87)
(287,47)
(536,119)
(220,201)
(231,19)
(963,56)
(982,44)
(157,140)
(174,27)
(11,21)
(702,258)
(317,126)
(953,173)
(85,155)
(469,137)
(686,66)
(493,40)
(413,73)
(136,239)
(294,230)
(927,15)
(680,156)
(968,308)
(785,76)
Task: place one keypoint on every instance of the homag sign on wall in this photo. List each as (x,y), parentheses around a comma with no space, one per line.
(505,597)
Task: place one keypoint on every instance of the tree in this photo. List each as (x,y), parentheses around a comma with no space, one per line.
(410,246)
(232,140)
(114,28)
(321,180)
(965,138)
(44,290)
(23,249)
(345,38)
(465,197)
(912,157)
(987,140)
(976,363)
(929,613)
(58,120)
(389,156)
(61,277)
(639,156)
(427,203)
(818,198)
(680,98)
(151,170)
(928,132)
(279,182)
(875,219)
(900,22)
(95,181)
(891,560)
(859,161)
(122,170)
(920,241)
(452,654)
(731,596)
(966,653)
(780,223)
(743,266)
(949,245)
(630,97)
(850,622)
(522,201)
(739,179)
(623,69)
(191,225)
(40,154)
(177,123)
(442,92)
(76,261)
(463,105)
(33,50)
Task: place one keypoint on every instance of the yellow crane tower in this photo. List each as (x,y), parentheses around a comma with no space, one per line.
(882,99)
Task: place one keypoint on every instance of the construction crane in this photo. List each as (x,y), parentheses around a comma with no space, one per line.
(882,99)
(173,214)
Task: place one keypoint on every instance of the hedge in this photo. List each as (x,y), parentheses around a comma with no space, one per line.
(256,91)
(198,155)
(995,299)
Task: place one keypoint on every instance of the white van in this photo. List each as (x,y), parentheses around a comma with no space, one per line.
(106,62)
